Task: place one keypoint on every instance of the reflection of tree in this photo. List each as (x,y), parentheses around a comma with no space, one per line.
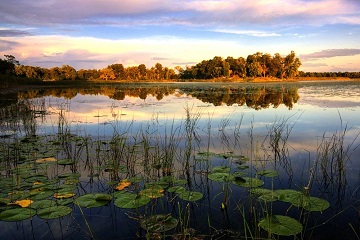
(253,97)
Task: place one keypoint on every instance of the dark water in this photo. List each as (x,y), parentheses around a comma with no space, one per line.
(315,124)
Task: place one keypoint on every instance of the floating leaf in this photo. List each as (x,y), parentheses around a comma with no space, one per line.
(268,173)
(176,189)
(66,162)
(313,204)
(43,204)
(159,223)
(266,195)
(221,169)
(54,212)
(122,185)
(290,196)
(130,200)
(46,160)
(249,182)
(93,200)
(17,214)
(23,203)
(221,177)
(153,192)
(190,196)
(281,225)
(63,195)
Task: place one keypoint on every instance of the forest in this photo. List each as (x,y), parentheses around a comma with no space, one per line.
(258,65)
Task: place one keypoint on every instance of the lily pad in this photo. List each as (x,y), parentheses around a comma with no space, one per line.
(221,177)
(54,212)
(290,196)
(265,195)
(42,204)
(93,200)
(159,223)
(281,225)
(17,214)
(176,189)
(130,200)
(190,196)
(268,173)
(153,192)
(248,182)
(221,169)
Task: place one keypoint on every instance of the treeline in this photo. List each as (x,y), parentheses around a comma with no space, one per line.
(254,66)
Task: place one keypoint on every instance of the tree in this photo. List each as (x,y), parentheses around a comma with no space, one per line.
(7,65)
(68,72)
(291,65)
(107,74)
(142,71)
(118,70)
(277,66)
(158,71)
(253,66)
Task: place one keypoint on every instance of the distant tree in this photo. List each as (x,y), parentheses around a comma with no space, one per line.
(158,71)
(107,74)
(237,66)
(118,70)
(68,72)
(142,71)
(7,65)
(265,62)
(253,66)
(277,66)
(291,65)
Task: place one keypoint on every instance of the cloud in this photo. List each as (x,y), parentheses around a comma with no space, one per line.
(7,46)
(159,58)
(13,33)
(248,33)
(329,53)
(180,12)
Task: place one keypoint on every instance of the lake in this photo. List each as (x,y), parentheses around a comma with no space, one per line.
(181,161)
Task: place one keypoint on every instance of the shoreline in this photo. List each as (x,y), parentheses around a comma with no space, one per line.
(38,85)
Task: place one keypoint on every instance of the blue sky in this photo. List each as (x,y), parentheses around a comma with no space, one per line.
(86,34)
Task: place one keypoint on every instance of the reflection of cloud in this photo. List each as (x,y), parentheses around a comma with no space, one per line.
(330,53)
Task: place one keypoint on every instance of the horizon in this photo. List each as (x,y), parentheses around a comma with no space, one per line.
(92,35)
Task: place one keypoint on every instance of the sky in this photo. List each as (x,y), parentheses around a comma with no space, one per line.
(88,34)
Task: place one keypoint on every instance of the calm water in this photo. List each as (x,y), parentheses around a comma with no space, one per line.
(230,120)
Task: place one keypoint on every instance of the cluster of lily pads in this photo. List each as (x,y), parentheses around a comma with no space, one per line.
(27,190)
(275,224)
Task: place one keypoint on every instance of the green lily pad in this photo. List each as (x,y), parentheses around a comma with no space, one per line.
(64,201)
(281,225)
(130,200)
(155,191)
(248,182)
(159,223)
(190,196)
(66,162)
(315,204)
(93,200)
(42,204)
(221,177)
(53,212)
(268,173)
(16,214)
(221,169)
(176,189)
(265,195)
(290,196)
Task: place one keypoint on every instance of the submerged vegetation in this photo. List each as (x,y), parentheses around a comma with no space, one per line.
(164,180)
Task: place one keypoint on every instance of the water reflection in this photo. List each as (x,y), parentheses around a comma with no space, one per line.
(183,133)
(254,97)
